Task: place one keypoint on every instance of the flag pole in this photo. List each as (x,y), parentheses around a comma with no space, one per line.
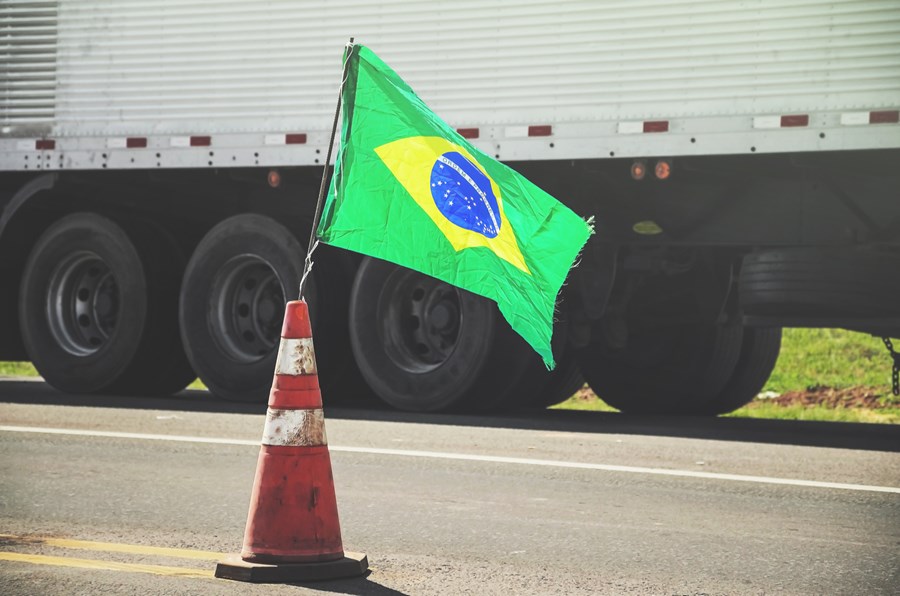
(313,243)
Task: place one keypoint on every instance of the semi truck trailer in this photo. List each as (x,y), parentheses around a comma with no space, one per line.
(160,163)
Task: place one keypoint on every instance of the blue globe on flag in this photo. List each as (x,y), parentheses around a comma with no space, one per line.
(464,195)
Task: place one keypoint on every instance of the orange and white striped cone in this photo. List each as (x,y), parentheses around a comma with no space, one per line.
(293,532)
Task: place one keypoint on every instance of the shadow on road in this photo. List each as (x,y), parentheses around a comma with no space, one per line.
(362,586)
(874,437)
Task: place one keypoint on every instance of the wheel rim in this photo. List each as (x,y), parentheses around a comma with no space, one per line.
(420,320)
(246,305)
(82,303)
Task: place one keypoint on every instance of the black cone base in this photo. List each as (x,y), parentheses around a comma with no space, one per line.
(233,567)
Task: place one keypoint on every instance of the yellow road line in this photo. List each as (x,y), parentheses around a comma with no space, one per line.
(112,547)
(106,565)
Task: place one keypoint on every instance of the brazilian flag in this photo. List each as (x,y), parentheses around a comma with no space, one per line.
(407,188)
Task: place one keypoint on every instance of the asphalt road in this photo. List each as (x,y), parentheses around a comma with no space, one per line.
(116,495)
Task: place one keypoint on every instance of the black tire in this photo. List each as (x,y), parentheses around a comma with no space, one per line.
(541,388)
(820,282)
(97,312)
(232,301)
(528,390)
(669,370)
(562,382)
(759,354)
(519,375)
(161,366)
(342,382)
(423,345)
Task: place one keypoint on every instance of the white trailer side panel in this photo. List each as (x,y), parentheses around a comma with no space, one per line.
(721,74)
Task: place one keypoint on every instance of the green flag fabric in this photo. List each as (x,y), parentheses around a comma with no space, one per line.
(407,188)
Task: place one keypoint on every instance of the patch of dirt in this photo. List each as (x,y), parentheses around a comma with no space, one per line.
(585,394)
(849,397)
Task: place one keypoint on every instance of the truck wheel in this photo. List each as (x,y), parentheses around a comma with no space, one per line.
(424,345)
(541,388)
(97,313)
(561,383)
(523,373)
(232,303)
(667,370)
(339,376)
(161,366)
(759,354)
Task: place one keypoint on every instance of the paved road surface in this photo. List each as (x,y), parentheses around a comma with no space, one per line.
(558,504)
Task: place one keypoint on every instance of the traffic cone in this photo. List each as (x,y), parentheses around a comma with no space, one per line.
(293,532)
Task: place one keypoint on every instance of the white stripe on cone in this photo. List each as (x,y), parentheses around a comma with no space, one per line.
(294,428)
(296,357)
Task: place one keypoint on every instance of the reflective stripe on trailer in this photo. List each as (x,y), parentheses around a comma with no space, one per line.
(877,117)
(295,138)
(195,141)
(530,130)
(36,145)
(781,121)
(688,135)
(127,143)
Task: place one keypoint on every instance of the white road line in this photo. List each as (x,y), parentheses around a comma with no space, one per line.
(470,457)
(120,435)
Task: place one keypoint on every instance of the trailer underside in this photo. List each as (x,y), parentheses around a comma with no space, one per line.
(137,281)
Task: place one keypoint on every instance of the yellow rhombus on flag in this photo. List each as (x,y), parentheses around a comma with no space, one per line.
(407,188)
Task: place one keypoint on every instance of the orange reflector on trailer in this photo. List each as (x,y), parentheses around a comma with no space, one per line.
(638,170)
(274,178)
(663,169)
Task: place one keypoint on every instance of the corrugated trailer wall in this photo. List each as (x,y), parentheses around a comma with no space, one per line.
(89,68)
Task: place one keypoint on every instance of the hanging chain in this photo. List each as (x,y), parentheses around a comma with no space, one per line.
(895,374)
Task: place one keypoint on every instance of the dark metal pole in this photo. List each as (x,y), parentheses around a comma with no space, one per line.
(311,246)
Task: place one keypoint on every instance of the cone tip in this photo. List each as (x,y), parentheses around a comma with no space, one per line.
(296,320)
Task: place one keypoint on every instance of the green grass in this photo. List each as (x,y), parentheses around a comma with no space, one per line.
(760,409)
(17,369)
(830,357)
